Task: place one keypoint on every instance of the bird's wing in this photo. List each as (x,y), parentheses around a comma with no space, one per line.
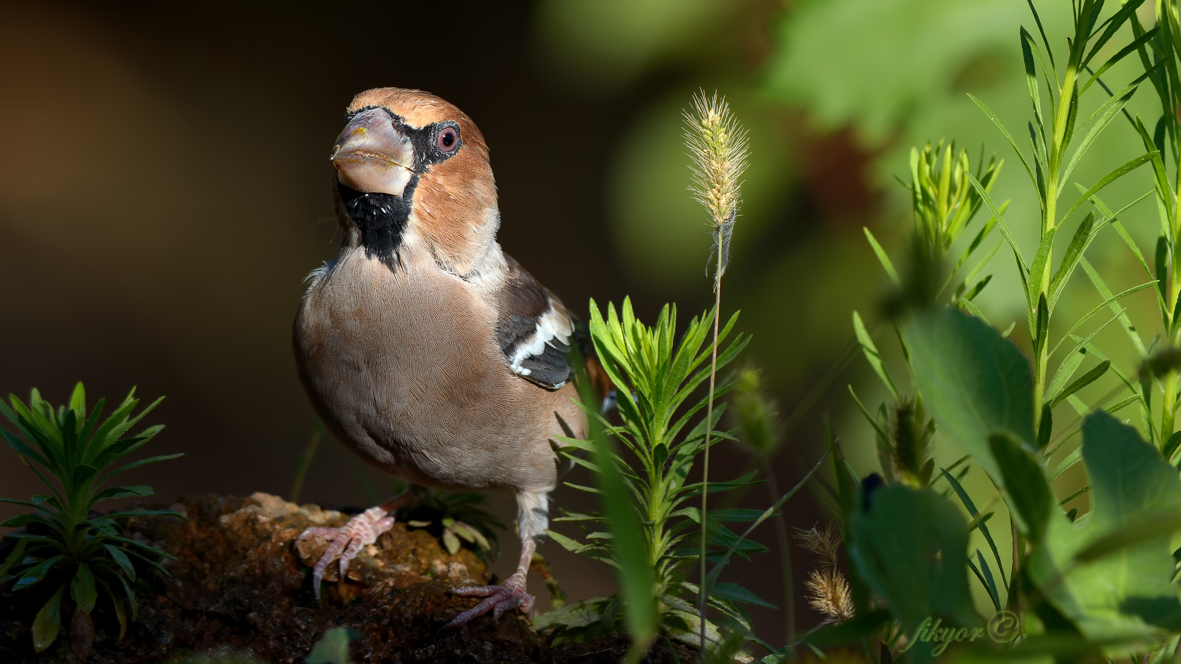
(533,329)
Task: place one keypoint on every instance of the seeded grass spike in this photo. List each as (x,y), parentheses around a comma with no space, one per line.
(718,146)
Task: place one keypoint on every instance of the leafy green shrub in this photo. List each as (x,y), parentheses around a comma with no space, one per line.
(659,435)
(66,543)
(1077,584)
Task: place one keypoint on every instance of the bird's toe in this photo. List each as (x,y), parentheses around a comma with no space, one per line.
(499,599)
(347,541)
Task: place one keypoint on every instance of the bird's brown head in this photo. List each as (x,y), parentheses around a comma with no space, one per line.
(413,172)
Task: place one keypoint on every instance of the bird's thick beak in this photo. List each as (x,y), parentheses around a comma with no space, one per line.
(373,157)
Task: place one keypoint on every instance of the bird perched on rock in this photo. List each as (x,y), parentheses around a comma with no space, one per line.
(425,348)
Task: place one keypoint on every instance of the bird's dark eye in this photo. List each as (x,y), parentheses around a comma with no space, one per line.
(448,139)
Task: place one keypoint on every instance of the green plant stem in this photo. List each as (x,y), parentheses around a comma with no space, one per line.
(709,418)
(1015,574)
(789,609)
(1169,402)
(305,461)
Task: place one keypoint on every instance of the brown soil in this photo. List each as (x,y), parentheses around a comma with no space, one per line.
(242,586)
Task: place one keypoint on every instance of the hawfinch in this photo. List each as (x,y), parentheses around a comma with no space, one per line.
(425,348)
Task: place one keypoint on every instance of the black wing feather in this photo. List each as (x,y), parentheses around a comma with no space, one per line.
(523,304)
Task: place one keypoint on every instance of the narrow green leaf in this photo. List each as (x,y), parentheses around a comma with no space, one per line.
(1078,245)
(990,583)
(997,121)
(1086,379)
(1027,47)
(736,593)
(871,353)
(977,520)
(884,259)
(1114,175)
(1105,292)
(1001,220)
(121,560)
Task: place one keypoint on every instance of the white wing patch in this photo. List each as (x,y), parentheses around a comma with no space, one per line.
(553,326)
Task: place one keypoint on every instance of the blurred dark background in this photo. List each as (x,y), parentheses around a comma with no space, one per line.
(165,188)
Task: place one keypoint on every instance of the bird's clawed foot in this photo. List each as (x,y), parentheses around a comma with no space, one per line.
(361,530)
(510,595)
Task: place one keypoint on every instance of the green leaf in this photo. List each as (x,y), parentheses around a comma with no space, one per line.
(1005,233)
(989,582)
(1074,251)
(1027,47)
(450,542)
(1086,379)
(977,519)
(910,547)
(973,381)
(635,573)
(37,573)
(1114,175)
(883,258)
(121,560)
(1102,117)
(1125,592)
(871,353)
(736,593)
(1026,489)
(997,121)
(123,492)
(120,613)
(82,588)
(333,647)
(1040,268)
(48,621)
(13,557)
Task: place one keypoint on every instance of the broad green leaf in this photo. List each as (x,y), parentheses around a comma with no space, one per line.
(48,621)
(82,588)
(333,647)
(910,547)
(1126,591)
(1026,489)
(973,381)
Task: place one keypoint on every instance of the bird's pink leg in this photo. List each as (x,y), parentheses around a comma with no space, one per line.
(509,595)
(532,517)
(360,531)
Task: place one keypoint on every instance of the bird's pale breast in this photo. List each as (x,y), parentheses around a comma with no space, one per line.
(403,366)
